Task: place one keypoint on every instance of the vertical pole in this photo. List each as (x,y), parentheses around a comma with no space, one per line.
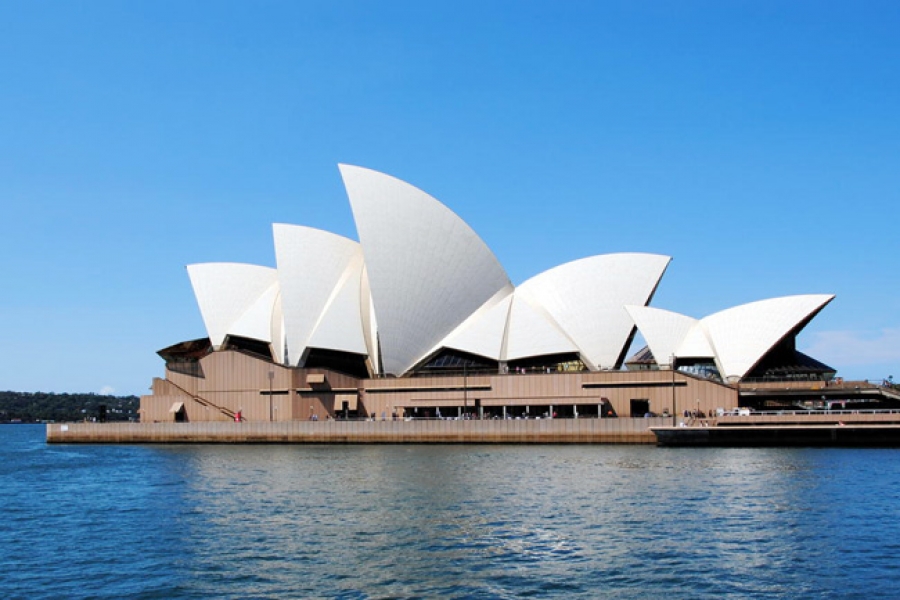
(465,390)
(271,377)
(674,407)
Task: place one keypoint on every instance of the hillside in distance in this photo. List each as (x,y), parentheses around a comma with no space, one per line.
(34,407)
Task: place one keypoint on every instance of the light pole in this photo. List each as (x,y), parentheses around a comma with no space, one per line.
(465,391)
(271,377)
(674,407)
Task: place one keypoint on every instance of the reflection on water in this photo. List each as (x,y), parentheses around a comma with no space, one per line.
(445,521)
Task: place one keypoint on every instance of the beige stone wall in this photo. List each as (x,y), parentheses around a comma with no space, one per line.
(557,389)
(234,381)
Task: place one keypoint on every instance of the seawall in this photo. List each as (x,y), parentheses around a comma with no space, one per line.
(543,431)
(841,436)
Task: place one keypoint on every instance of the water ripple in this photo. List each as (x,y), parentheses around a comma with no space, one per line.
(373,522)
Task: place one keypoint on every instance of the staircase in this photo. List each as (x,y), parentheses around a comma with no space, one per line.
(203,401)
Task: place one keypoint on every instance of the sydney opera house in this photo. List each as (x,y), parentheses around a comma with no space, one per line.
(419,319)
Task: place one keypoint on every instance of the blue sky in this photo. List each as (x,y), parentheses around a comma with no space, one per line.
(757,143)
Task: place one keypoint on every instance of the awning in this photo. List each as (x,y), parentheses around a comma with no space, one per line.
(177,407)
(315,378)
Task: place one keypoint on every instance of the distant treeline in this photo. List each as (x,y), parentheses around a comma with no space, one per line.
(43,406)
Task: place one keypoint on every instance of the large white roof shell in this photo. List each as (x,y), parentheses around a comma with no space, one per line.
(428,271)
(236,299)
(586,299)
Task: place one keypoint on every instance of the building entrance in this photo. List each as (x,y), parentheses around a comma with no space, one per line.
(640,407)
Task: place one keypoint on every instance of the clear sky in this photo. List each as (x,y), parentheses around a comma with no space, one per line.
(755,142)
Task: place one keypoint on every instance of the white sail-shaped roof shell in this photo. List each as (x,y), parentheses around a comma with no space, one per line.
(586,299)
(421,280)
(260,321)
(428,271)
(236,299)
(696,343)
(341,326)
(533,332)
(484,332)
(664,331)
(737,338)
(320,276)
(742,335)
(509,329)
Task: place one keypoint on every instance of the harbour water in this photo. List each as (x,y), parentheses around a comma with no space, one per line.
(445,521)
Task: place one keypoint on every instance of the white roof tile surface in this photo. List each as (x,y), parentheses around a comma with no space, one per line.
(420,280)
(313,266)
(233,299)
(428,271)
(586,298)
(742,335)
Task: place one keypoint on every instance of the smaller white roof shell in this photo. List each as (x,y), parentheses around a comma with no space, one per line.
(340,327)
(737,338)
(533,332)
(235,299)
(663,330)
(485,331)
(696,343)
(742,335)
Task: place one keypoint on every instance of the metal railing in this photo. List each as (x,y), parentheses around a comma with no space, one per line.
(837,382)
(819,411)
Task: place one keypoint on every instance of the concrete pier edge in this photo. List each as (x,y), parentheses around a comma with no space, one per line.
(852,435)
(538,431)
